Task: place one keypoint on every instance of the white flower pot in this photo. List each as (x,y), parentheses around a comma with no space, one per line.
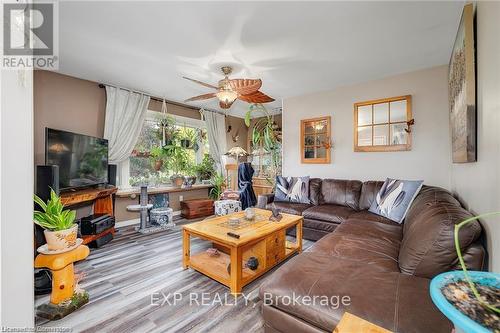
(62,239)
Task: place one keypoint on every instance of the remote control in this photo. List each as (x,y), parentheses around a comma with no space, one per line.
(231,234)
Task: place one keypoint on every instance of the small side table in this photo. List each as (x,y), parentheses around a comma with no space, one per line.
(63,282)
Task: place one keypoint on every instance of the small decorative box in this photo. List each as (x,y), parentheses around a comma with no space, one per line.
(224,207)
(162,216)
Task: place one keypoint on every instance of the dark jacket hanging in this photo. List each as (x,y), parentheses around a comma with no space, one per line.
(247,195)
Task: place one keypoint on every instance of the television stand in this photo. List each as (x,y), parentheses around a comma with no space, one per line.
(100,198)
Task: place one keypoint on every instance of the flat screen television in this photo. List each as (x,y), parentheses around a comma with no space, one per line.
(82,159)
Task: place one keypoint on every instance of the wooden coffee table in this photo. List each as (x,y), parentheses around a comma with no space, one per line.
(261,238)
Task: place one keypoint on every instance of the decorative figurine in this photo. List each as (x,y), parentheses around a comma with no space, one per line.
(276,215)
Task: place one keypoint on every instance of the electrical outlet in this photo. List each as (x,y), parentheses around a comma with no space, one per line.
(181,198)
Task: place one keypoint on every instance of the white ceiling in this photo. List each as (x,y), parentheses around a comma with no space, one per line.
(294,47)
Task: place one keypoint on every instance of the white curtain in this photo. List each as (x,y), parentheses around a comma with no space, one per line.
(125,113)
(216,132)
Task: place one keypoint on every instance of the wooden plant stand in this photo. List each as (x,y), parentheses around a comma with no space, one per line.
(63,283)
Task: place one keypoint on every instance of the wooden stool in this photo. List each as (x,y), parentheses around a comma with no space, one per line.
(63,282)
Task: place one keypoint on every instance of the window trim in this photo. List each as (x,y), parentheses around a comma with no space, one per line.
(383,148)
(328,132)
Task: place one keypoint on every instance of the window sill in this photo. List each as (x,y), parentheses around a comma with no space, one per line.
(122,193)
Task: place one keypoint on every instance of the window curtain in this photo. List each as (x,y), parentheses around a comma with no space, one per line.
(125,113)
(216,133)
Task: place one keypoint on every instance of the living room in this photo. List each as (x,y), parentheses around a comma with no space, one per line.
(329,168)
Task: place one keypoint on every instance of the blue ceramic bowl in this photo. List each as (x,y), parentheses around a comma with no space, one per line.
(461,321)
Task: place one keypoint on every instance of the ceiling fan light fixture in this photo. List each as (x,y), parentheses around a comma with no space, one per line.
(226,96)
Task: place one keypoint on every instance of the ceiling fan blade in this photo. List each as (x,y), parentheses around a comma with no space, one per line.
(245,86)
(256,97)
(225,105)
(197,98)
(199,82)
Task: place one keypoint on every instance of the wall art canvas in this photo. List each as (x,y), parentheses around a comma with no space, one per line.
(462,91)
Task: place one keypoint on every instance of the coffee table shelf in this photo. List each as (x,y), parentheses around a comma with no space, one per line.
(264,240)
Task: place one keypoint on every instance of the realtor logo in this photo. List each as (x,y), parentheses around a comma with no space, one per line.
(30,35)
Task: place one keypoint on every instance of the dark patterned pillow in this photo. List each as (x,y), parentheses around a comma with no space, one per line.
(292,189)
(395,197)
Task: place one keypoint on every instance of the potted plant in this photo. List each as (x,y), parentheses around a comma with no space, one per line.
(266,136)
(177,161)
(59,225)
(190,175)
(156,156)
(206,169)
(167,131)
(467,298)
(188,137)
(219,183)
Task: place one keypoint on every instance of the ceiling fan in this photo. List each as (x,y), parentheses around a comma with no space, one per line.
(228,90)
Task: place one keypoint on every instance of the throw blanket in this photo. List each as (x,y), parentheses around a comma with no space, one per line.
(247,195)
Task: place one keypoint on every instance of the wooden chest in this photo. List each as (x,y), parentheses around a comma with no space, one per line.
(194,208)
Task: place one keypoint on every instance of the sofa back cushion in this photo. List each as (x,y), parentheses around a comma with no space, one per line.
(341,192)
(315,190)
(369,191)
(428,248)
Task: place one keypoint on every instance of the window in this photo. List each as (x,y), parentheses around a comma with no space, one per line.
(142,170)
(382,125)
(315,141)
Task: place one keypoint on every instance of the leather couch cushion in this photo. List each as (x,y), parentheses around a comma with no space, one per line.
(369,191)
(368,243)
(289,207)
(329,213)
(314,190)
(375,296)
(320,225)
(341,192)
(428,246)
(369,216)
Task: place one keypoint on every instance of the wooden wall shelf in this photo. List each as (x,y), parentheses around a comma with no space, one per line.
(101,199)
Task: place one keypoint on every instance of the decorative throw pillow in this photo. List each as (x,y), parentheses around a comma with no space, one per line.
(395,197)
(292,189)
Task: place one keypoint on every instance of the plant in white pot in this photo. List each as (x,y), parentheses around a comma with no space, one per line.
(59,225)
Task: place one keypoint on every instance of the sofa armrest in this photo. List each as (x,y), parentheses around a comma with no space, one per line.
(264,199)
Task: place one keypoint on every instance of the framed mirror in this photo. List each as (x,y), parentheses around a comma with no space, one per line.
(383,124)
(315,140)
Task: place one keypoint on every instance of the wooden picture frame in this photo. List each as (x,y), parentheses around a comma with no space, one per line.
(317,151)
(397,126)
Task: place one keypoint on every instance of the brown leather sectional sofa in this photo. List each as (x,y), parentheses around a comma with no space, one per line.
(383,267)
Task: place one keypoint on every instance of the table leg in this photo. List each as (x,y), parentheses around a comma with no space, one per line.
(236,270)
(186,252)
(299,235)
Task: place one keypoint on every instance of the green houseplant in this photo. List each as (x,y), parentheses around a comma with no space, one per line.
(264,134)
(177,161)
(157,155)
(59,225)
(206,169)
(218,182)
(466,297)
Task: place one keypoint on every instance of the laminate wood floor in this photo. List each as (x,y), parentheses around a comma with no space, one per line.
(128,278)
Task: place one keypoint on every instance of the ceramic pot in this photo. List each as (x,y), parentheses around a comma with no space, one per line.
(62,239)
(461,322)
(189,181)
(177,180)
(158,164)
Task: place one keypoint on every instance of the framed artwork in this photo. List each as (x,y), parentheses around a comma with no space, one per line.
(315,140)
(462,91)
(383,124)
